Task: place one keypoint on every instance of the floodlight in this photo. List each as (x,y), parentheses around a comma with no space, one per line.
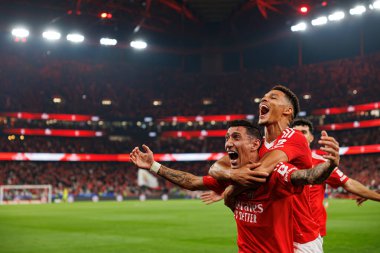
(319,21)
(108,42)
(75,37)
(138,44)
(376,5)
(51,35)
(307,96)
(336,16)
(358,10)
(303,9)
(20,32)
(299,27)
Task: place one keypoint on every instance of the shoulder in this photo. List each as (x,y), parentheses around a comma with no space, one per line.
(291,137)
(289,133)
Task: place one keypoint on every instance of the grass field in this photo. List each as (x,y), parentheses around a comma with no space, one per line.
(161,227)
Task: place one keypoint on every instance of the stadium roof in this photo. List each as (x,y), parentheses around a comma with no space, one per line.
(177,23)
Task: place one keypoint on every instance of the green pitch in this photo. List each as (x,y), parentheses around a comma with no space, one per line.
(157,226)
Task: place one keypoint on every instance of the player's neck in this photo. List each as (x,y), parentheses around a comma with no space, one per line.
(272,131)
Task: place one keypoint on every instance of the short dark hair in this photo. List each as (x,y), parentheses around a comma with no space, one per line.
(292,98)
(303,122)
(252,129)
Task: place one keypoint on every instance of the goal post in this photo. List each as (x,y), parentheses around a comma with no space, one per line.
(25,194)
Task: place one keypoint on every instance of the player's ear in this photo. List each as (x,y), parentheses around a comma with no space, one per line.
(311,138)
(288,111)
(255,144)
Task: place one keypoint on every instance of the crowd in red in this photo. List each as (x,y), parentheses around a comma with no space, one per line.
(132,92)
(27,86)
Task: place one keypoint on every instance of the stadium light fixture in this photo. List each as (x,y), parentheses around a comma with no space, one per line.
(319,21)
(75,37)
(302,114)
(20,32)
(376,5)
(304,9)
(358,10)
(336,16)
(157,102)
(57,100)
(105,15)
(108,42)
(106,102)
(307,96)
(207,101)
(138,44)
(51,35)
(299,27)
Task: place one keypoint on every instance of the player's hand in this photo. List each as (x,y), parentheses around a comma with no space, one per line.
(141,159)
(246,175)
(230,197)
(210,197)
(331,147)
(360,200)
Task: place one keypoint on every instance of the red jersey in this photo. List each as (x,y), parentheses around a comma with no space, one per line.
(317,192)
(264,217)
(294,144)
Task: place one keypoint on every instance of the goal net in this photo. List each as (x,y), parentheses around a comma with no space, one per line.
(25,194)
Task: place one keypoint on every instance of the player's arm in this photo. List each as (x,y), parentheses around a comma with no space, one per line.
(183,179)
(319,173)
(249,174)
(210,197)
(360,190)
(361,200)
(267,163)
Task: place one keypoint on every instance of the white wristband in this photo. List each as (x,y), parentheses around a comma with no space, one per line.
(155,167)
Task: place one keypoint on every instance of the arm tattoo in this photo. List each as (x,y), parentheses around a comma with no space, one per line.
(181,178)
(315,175)
(219,173)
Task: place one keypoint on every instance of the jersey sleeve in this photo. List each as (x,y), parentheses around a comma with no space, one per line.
(282,174)
(294,144)
(337,178)
(214,185)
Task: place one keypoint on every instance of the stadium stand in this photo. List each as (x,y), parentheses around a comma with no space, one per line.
(345,82)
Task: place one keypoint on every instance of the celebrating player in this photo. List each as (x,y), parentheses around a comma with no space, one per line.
(263,216)
(277,109)
(336,179)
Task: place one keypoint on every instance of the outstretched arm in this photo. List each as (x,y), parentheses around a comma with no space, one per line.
(360,190)
(360,201)
(185,180)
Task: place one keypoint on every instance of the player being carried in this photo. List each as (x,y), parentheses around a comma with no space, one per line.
(263,216)
(281,143)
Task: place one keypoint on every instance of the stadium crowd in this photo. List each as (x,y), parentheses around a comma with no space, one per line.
(41,144)
(133,90)
(108,179)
